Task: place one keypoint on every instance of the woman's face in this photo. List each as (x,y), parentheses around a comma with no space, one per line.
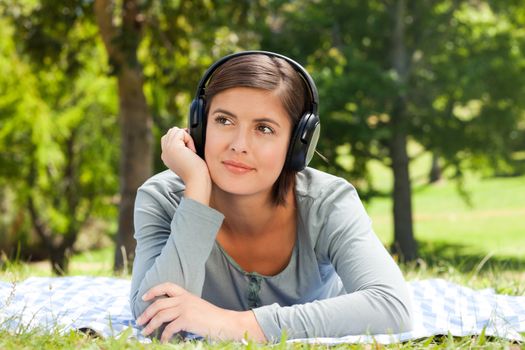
(247,138)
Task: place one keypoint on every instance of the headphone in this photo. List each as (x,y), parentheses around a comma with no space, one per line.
(304,136)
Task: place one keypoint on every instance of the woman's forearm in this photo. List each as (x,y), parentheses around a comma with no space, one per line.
(173,251)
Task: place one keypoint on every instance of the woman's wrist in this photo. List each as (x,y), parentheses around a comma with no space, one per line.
(248,327)
(199,190)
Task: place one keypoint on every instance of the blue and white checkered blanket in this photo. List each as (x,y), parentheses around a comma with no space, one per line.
(101,304)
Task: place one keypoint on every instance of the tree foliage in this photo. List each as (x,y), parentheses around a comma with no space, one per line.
(447,74)
(57,146)
(87,86)
(154,48)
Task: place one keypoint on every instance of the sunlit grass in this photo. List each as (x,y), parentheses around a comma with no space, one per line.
(91,263)
(496,277)
(37,340)
(95,262)
(490,221)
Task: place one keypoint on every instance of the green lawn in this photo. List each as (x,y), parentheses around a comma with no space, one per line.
(492,223)
(498,277)
(495,224)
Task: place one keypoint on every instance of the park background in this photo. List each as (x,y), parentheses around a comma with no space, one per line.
(421,102)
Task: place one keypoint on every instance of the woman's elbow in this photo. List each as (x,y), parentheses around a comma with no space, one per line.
(405,322)
(396,311)
(404,315)
(137,306)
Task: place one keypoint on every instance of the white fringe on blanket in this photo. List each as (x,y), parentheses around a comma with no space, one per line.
(101,304)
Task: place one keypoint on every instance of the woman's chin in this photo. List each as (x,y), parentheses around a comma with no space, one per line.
(240,190)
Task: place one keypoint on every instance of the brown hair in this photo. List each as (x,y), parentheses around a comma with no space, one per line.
(271,73)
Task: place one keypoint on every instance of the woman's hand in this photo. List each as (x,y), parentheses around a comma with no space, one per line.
(184,311)
(179,154)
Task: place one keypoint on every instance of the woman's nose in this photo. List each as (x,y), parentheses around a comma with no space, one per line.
(240,141)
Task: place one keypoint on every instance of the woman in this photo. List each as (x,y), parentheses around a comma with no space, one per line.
(241,242)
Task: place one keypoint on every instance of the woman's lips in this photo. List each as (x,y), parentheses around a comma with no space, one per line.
(237,167)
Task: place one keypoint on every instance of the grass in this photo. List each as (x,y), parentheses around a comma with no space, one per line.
(92,263)
(480,246)
(494,275)
(36,340)
(478,274)
(492,224)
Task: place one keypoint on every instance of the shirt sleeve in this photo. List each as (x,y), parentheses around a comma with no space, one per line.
(173,244)
(376,300)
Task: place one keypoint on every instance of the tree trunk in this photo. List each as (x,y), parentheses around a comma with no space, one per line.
(135,120)
(59,245)
(404,242)
(136,158)
(60,257)
(55,244)
(435,170)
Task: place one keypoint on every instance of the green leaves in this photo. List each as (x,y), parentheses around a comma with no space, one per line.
(461,90)
(58,140)
(466,72)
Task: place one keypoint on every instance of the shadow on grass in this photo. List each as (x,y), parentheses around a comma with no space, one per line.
(465,260)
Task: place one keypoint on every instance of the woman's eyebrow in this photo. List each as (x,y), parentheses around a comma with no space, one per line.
(223,111)
(267,120)
(257,120)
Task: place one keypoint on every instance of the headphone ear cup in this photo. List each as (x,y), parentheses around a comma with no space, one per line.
(197,124)
(303,142)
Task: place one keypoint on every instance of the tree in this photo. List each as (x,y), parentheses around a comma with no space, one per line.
(134,117)
(57,159)
(183,31)
(155,47)
(393,70)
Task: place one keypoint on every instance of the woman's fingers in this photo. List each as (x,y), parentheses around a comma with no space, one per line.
(183,311)
(160,318)
(162,310)
(169,289)
(173,327)
(175,135)
(179,155)
(190,144)
(156,307)
(171,137)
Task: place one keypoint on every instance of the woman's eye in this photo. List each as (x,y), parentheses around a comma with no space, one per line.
(265,129)
(223,120)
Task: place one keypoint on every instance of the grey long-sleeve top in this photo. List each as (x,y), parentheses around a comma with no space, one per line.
(339,281)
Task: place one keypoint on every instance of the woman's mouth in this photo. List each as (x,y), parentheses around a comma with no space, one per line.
(237,167)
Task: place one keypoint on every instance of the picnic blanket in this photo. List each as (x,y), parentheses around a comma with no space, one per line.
(101,304)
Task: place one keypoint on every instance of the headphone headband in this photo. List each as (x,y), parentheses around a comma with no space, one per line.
(201,88)
(304,135)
